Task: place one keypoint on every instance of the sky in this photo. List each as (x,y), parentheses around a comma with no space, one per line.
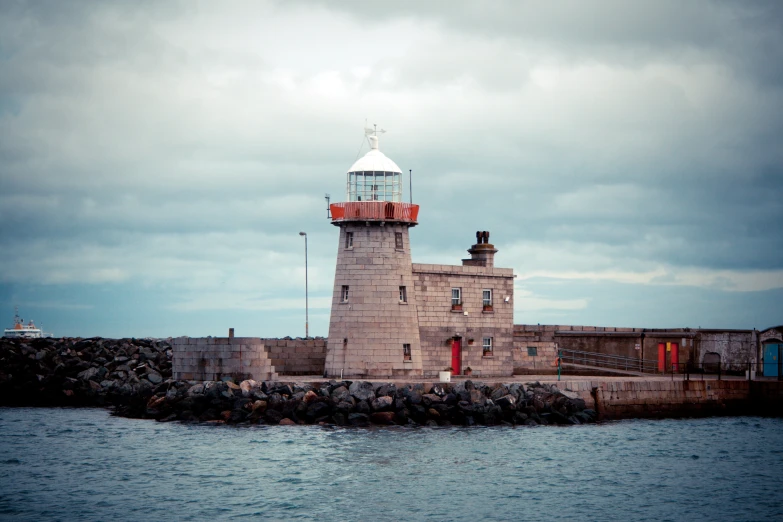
(158,159)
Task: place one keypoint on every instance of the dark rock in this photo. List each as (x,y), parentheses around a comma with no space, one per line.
(317,409)
(506,402)
(383,417)
(273,416)
(340,393)
(362,407)
(386,390)
(362,390)
(382,403)
(358,419)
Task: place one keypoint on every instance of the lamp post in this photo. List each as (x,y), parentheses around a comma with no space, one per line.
(307,305)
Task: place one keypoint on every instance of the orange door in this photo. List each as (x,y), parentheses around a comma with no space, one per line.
(456,356)
(661,357)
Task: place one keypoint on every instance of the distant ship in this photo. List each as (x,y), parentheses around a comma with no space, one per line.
(24,331)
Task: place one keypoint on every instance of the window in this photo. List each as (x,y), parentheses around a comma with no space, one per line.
(487,296)
(456,298)
(349,240)
(398,240)
(486,346)
(403,295)
(532,351)
(486,299)
(406,352)
(344,295)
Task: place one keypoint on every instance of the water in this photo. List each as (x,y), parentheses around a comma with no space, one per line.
(63,464)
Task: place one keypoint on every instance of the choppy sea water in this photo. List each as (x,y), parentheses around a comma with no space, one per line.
(83,464)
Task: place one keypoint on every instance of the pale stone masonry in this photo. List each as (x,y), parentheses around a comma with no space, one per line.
(374,312)
(212,358)
(454,336)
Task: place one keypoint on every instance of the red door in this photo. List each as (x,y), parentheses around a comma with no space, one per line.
(456,356)
(661,357)
(675,357)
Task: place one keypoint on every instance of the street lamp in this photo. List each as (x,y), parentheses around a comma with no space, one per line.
(307,305)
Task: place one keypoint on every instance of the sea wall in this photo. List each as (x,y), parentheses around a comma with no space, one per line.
(297,356)
(261,359)
(134,377)
(212,358)
(679,398)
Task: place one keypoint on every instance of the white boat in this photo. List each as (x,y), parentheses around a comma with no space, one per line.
(24,331)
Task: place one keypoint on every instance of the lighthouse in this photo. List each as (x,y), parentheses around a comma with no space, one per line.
(373,330)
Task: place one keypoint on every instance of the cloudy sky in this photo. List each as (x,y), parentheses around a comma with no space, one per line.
(158,159)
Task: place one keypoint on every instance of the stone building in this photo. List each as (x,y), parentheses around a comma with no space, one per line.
(391,318)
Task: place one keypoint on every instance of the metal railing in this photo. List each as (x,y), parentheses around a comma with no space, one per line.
(613,362)
(374,211)
(717,370)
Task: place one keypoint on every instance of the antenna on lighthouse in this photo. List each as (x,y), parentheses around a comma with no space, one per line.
(327,197)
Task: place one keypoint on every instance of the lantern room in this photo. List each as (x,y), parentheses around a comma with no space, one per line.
(374,177)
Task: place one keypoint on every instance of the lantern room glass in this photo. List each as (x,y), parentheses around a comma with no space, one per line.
(374,186)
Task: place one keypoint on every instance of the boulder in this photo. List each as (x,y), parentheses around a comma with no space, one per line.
(154,377)
(286,422)
(358,419)
(92,374)
(362,390)
(340,393)
(382,403)
(383,417)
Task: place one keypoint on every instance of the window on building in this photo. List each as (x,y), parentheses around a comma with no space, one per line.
(398,240)
(403,294)
(487,298)
(349,240)
(344,295)
(532,351)
(486,346)
(406,352)
(456,297)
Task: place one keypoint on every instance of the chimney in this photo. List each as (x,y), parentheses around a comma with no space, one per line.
(482,253)
(230,333)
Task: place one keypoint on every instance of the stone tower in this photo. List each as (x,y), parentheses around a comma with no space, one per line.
(374,328)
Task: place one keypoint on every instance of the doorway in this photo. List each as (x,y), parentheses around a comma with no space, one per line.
(456,355)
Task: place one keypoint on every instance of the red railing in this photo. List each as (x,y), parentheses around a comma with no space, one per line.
(374,211)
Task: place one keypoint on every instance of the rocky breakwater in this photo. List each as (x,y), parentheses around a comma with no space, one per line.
(82,372)
(134,376)
(362,403)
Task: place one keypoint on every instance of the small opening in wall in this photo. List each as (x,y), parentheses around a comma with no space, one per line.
(349,240)
(403,294)
(406,352)
(532,351)
(486,347)
(398,240)
(344,295)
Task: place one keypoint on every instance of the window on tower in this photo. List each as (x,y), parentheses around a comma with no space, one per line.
(398,240)
(403,294)
(349,240)
(406,352)
(344,294)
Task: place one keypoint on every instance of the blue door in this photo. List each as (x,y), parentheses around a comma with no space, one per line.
(771,356)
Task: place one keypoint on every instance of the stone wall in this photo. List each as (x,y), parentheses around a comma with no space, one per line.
(297,356)
(369,329)
(736,348)
(212,358)
(439,324)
